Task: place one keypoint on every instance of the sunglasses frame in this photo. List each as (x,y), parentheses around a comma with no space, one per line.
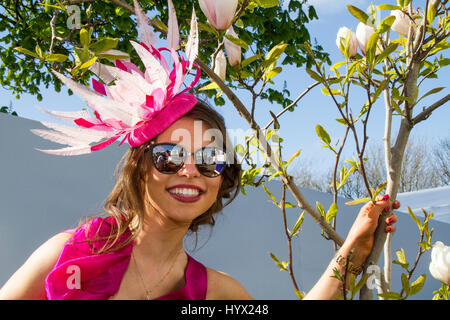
(186,154)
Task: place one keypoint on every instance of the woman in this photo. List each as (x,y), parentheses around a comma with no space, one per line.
(173,179)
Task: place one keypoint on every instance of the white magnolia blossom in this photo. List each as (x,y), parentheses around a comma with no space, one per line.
(363,33)
(220,65)
(440,262)
(401,23)
(220,13)
(233,50)
(353,45)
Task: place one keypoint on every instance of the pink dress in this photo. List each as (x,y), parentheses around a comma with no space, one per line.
(100,275)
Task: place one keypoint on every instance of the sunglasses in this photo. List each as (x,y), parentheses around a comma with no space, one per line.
(169,158)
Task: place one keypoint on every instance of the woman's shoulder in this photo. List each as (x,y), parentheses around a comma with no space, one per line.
(222,286)
(28,281)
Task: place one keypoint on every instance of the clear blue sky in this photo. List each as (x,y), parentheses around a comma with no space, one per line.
(298,128)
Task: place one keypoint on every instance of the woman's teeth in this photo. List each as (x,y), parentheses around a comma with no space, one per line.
(185,192)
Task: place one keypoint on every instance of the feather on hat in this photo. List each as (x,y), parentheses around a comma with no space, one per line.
(129,103)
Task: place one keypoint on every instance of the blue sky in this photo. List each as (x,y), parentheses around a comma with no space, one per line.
(298,128)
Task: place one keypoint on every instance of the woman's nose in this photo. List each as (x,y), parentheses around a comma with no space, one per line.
(189,168)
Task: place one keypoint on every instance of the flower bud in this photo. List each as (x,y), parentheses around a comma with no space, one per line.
(401,23)
(363,33)
(440,262)
(352,46)
(233,50)
(219,13)
(220,65)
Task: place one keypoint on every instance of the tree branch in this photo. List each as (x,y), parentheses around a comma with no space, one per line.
(427,111)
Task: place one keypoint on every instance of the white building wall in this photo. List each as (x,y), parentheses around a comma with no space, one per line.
(41,195)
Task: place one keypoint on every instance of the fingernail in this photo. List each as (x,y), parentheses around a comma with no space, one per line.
(387,209)
(388,229)
(385,197)
(390,220)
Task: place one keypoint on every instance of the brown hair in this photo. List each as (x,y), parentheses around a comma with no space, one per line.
(126,202)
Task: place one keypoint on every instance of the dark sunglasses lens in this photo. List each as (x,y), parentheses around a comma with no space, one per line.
(210,161)
(167,158)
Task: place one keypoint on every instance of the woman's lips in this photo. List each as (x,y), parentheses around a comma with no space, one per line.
(184,198)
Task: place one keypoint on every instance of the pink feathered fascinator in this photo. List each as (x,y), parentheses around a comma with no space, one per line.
(127,102)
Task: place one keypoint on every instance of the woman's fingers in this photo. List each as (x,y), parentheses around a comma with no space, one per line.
(391,219)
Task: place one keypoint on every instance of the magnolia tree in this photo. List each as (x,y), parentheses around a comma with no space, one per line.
(398,53)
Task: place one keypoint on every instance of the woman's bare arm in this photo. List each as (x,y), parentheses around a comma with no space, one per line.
(28,282)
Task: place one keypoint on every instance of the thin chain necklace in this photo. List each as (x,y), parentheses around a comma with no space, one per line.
(147,291)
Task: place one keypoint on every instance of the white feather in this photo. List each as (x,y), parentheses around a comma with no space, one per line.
(69,151)
(101,72)
(60,138)
(66,116)
(154,70)
(145,32)
(191,48)
(77,133)
(107,108)
(173,34)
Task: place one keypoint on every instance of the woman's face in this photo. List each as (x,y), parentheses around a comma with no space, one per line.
(183,196)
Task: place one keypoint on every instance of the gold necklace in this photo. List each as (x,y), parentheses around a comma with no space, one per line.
(147,291)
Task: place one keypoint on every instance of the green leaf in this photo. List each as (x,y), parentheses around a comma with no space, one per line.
(388,7)
(413,216)
(268,3)
(161,25)
(295,155)
(26,51)
(55,57)
(270,195)
(38,51)
(84,37)
(239,42)
(385,24)
(379,189)
(104,44)
(320,209)
(386,52)
(357,201)
(331,213)
(390,295)
(276,51)
(323,134)
(210,86)
(431,14)
(89,63)
(401,256)
(282,265)
(337,65)
(417,285)
(432,91)
(358,13)
(247,61)
(298,224)
(371,49)
(405,283)
(314,75)
(334,92)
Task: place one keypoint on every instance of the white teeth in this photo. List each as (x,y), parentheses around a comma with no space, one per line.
(185,192)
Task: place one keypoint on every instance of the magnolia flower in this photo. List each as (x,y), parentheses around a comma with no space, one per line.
(220,65)
(353,45)
(363,33)
(440,262)
(401,23)
(233,50)
(220,13)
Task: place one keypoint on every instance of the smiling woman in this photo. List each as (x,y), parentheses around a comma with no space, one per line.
(172,179)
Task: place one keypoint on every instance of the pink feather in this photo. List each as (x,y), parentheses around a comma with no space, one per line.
(173,34)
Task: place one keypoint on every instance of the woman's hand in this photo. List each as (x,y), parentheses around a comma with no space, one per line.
(361,234)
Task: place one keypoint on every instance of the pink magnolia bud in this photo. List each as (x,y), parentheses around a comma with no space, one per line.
(363,33)
(220,65)
(353,45)
(220,13)
(233,50)
(440,262)
(401,23)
